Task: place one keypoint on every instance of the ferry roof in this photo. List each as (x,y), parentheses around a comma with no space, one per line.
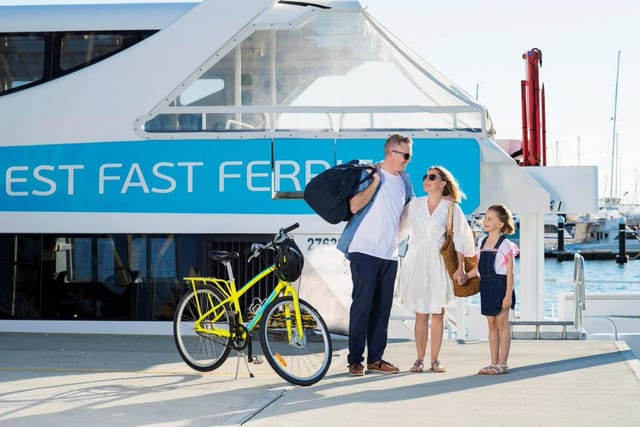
(91,16)
(329,63)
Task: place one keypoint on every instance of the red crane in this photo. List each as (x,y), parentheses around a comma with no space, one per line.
(534,132)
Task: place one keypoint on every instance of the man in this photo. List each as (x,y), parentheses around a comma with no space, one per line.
(369,242)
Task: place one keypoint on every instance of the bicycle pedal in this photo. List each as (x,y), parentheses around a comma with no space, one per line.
(257,360)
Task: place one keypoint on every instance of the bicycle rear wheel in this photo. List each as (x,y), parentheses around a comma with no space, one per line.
(300,361)
(202,351)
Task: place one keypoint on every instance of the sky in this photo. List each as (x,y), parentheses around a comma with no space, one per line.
(479,46)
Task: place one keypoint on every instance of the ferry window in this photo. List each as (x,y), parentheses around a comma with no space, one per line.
(22,59)
(139,256)
(105,258)
(163,258)
(79,49)
(200,89)
(6,249)
(28,59)
(80,268)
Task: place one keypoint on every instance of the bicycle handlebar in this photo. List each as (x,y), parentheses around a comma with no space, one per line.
(257,248)
(290,228)
(282,234)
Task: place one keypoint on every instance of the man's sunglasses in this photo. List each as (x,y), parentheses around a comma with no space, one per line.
(407,156)
(430,177)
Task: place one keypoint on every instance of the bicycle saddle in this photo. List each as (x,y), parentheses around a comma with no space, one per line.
(223,255)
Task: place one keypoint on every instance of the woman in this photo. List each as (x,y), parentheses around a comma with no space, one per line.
(426,285)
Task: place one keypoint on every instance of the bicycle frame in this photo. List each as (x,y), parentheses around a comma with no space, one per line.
(228,289)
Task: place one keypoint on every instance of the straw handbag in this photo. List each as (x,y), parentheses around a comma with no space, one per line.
(450,258)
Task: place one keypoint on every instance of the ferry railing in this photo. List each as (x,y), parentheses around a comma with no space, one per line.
(579,306)
(580,299)
(579,290)
(438,112)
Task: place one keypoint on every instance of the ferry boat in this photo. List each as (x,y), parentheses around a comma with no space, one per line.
(137,137)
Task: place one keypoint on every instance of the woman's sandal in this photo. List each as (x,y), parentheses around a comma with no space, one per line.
(436,367)
(418,366)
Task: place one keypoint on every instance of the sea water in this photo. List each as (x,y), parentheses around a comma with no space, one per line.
(601,276)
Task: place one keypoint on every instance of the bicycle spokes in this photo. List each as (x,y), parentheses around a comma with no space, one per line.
(202,340)
(301,358)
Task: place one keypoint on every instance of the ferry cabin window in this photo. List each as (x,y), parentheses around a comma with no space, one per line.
(22,59)
(77,50)
(30,59)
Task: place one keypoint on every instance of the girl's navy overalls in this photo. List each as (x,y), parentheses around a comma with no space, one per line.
(493,286)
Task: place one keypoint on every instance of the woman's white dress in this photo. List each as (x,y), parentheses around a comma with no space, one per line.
(425,285)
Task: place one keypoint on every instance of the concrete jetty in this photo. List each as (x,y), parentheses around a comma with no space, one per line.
(127,380)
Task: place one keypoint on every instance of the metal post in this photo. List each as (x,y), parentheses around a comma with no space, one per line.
(614,148)
(543,124)
(560,245)
(578,291)
(525,124)
(622,257)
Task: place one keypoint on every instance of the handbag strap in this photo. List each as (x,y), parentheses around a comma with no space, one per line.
(450,221)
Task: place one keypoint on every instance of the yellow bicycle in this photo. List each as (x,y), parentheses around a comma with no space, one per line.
(208,322)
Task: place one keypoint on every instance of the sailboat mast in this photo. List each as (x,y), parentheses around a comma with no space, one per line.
(614,147)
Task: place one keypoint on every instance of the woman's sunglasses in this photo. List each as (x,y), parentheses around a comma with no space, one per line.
(430,177)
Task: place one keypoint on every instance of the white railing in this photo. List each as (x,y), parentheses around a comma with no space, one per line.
(579,290)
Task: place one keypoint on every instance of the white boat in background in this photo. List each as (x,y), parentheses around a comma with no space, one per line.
(551,227)
(608,240)
(602,235)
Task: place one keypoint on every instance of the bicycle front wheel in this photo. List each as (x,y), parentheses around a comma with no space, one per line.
(300,360)
(201,350)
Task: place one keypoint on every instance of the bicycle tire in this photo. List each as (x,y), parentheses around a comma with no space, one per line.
(303,363)
(202,352)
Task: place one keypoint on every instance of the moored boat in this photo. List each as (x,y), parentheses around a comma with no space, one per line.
(601,240)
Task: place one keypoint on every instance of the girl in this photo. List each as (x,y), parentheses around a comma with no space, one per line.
(426,285)
(497,296)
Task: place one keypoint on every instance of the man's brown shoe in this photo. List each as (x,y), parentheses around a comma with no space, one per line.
(382,367)
(356,369)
